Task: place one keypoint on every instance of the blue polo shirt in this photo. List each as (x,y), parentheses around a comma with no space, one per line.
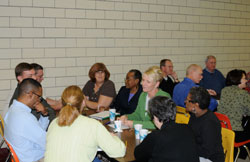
(181,91)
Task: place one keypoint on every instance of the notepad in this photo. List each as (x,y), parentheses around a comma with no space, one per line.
(101,115)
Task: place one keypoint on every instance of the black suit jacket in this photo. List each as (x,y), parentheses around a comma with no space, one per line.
(172,143)
(168,85)
(121,101)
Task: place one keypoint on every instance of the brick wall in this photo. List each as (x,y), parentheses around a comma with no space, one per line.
(68,36)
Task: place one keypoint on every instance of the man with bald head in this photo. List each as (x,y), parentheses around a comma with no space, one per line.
(192,79)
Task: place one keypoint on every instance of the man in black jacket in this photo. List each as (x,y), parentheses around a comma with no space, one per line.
(170,78)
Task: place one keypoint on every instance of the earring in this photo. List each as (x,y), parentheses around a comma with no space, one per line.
(193,110)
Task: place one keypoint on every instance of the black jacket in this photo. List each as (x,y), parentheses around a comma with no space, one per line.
(172,143)
(121,101)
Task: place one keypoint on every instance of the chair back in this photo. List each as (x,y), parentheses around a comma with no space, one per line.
(181,109)
(1,126)
(228,144)
(224,120)
(13,157)
(182,117)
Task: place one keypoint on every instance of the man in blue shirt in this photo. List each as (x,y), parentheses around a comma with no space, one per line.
(192,79)
(212,78)
(23,131)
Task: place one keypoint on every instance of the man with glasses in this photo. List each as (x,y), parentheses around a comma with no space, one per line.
(49,103)
(25,70)
(212,78)
(192,79)
(23,131)
(170,78)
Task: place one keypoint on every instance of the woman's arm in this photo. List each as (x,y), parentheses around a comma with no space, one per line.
(104,101)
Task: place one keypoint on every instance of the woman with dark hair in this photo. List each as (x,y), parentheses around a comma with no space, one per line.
(205,125)
(235,102)
(99,91)
(128,96)
(76,138)
(172,142)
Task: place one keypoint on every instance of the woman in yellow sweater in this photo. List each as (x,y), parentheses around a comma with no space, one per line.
(73,137)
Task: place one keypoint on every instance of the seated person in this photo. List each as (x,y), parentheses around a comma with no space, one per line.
(25,70)
(150,83)
(170,78)
(212,77)
(193,77)
(172,142)
(127,97)
(74,137)
(23,131)
(205,125)
(50,103)
(248,82)
(99,91)
(235,102)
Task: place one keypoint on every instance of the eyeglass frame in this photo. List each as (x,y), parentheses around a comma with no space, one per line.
(40,97)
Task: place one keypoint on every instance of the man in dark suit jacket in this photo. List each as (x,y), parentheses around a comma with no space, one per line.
(170,78)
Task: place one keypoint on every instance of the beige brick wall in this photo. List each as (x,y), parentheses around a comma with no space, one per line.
(67,37)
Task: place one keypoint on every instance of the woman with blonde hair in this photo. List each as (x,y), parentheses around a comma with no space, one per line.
(73,137)
(150,82)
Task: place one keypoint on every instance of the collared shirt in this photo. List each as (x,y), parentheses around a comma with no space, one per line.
(25,133)
(181,91)
(210,78)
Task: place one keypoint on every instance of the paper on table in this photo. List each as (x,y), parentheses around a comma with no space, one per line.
(101,115)
(123,126)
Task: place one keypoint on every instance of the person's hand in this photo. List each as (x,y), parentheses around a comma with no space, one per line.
(40,108)
(211,92)
(113,134)
(123,118)
(174,75)
(129,123)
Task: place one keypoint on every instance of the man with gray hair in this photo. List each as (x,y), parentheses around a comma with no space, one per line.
(212,78)
(192,79)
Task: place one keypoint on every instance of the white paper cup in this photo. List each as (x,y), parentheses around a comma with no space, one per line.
(118,125)
(143,134)
(112,115)
(137,127)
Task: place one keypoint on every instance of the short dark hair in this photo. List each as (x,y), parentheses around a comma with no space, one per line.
(163,108)
(201,96)
(23,66)
(137,74)
(28,85)
(162,63)
(234,77)
(98,67)
(36,66)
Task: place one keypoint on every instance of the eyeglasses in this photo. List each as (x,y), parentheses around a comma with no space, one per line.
(190,101)
(99,72)
(40,97)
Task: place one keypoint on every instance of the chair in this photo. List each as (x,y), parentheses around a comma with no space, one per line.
(181,109)
(228,144)
(1,125)
(182,117)
(13,157)
(225,123)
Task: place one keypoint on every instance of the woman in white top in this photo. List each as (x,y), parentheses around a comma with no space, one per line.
(73,137)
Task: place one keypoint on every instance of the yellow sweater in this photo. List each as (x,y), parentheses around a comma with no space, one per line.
(79,141)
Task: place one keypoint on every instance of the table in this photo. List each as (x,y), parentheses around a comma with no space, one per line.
(127,136)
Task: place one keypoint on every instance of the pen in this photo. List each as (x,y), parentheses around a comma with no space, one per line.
(107,123)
